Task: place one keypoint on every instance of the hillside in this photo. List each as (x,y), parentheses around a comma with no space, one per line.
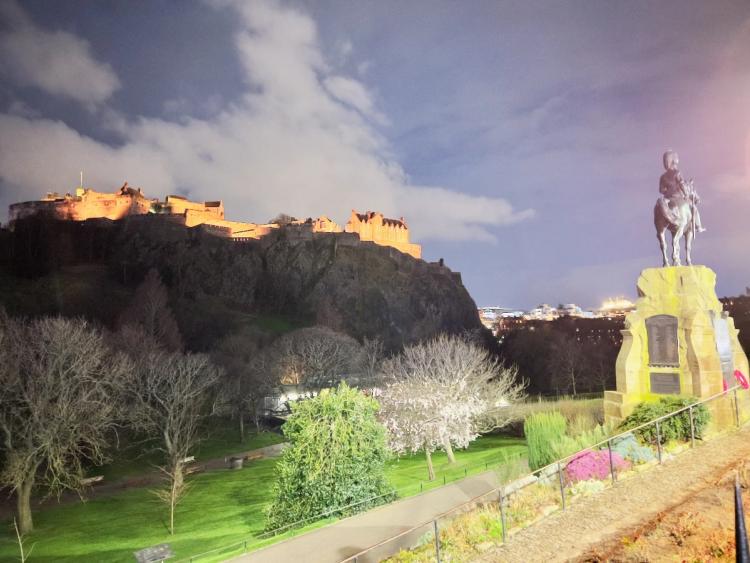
(284,280)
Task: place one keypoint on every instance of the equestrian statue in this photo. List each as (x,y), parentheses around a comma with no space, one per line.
(676,211)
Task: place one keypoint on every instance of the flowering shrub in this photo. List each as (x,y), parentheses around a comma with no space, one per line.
(629,448)
(593,465)
(587,488)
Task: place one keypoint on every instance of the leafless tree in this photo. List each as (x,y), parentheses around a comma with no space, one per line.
(169,395)
(248,379)
(566,362)
(444,392)
(373,354)
(58,399)
(150,312)
(315,357)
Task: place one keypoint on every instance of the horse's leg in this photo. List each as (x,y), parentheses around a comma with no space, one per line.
(688,246)
(660,234)
(676,235)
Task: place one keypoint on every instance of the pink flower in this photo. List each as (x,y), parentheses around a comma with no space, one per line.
(593,465)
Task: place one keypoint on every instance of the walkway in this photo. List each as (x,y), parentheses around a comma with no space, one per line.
(564,536)
(351,535)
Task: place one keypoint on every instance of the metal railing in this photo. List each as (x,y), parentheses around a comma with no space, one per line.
(442,478)
(426,536)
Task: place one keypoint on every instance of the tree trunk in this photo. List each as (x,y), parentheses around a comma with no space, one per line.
(175,493)
(23,503)
(242,427)
(449,451)
(430,469)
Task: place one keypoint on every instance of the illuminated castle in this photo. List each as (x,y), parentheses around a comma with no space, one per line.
(90,204)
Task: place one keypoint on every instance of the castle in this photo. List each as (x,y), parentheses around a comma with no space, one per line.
(90,204)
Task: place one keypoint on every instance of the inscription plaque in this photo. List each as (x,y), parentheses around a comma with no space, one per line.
(663,348)
(665,383)
(724,347)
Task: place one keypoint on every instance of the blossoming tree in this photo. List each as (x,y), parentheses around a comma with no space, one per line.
(442,394)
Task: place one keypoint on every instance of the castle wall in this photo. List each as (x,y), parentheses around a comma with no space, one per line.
(372,226)
(88,204)
(180,205)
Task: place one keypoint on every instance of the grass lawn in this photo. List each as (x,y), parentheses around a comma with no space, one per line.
(222,439)
(222,508)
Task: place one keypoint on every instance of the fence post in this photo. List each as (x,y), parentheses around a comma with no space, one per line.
(736,408)
(658,441)
(562,484)
(443,478)
(692,427)
(502,513)
(420,486)
(611,462)
(437,540)
(244,545)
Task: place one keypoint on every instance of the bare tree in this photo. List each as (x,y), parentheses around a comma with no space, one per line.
(169,396)
(567,362)
(248,379)
(150,312)
(58,387)
(443,393)
(373,354)
(315,357)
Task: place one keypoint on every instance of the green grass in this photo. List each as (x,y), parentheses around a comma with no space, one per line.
(221,509)
(409,473)
(136,458)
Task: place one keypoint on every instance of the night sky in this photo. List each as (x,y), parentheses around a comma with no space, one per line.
(522,141)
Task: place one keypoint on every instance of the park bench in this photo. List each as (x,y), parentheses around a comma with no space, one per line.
(192,467)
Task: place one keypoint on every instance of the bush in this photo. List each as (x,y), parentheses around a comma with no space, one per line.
(593,465)
(542,430)
(336,458)
(673,428)
(629,448)
(575,442)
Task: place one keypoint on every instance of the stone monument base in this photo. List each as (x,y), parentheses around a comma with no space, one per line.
(679,341)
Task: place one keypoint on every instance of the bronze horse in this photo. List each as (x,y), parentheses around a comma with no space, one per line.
(680,221)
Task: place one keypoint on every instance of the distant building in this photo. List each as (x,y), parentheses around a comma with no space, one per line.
(543,312)
(616,307)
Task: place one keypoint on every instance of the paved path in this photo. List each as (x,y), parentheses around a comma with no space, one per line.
(564,536)
(346,537)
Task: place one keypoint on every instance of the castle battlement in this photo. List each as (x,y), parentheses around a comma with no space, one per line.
(86,204)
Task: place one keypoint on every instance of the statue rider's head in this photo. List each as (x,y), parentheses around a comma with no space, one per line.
(671,160)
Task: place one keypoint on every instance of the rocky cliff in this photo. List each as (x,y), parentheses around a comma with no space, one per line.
(330,279)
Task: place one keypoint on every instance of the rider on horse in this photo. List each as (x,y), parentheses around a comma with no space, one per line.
(673,187)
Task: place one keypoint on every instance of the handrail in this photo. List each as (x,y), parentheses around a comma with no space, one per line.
(635,429)
(400,534)
(540,470)
(472,500)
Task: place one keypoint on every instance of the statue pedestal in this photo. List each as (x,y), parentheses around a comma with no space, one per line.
(678,341)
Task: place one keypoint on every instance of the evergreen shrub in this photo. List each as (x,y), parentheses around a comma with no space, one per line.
(336,458)
(673,428)
(629,448)
(575,442)
(542,431)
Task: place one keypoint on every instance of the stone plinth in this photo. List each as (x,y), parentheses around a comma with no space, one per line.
(670,344)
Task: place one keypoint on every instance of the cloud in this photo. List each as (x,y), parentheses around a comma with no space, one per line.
(302,139)
(58,62)
(354,94)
